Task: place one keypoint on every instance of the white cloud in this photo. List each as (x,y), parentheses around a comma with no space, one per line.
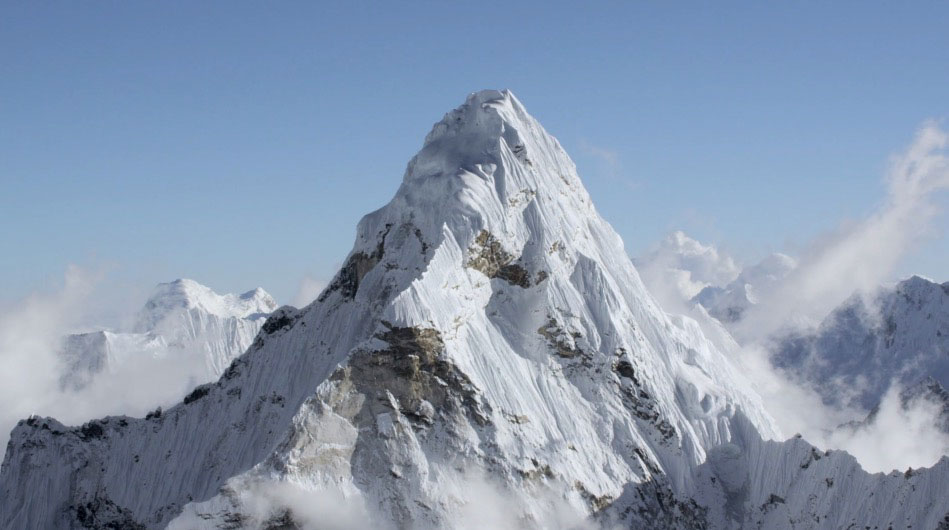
(483,502)
(31,334)
(856,257)
(323,508)
(862,255)
(278,503)
(897,438)
(308,291)
(679,267)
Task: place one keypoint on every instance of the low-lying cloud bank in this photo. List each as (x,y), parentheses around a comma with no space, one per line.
(475,499)
(32,333)
(31,341)
(899,436)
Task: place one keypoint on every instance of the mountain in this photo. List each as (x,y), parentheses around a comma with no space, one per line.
(897,335)
(927,392)
(487,356)
(728,303)
(930,391)
(182,318)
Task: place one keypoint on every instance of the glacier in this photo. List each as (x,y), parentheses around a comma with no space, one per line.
(487,346)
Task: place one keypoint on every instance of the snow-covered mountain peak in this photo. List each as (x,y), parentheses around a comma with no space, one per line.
(921,289)
(487,323)
(896,334)
(492,233)
(182,318)
(491,141)
(186,295)
(489,170)
(260,295)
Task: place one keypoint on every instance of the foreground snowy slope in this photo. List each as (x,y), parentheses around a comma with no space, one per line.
(182,318)
(486,348)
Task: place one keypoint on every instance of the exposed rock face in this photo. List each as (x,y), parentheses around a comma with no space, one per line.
(355,269)
(417,379)
(492,260)
(428,387)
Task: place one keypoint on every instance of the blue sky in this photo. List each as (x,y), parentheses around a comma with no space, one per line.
(239,143)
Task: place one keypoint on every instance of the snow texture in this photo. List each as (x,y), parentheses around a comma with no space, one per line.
(487,349)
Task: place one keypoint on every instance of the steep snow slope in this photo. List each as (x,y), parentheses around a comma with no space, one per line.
(486,338)
(181,318)
(897,335)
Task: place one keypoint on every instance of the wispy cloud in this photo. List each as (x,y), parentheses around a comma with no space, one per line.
(862,255)
(30,335)
(610,165)
(854,257)
(679,267)
(309,289)
(899,437)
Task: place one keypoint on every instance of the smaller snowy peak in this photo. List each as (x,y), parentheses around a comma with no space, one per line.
(183,319)
(729,303)
(188,294)
(896,335)
(259,294)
